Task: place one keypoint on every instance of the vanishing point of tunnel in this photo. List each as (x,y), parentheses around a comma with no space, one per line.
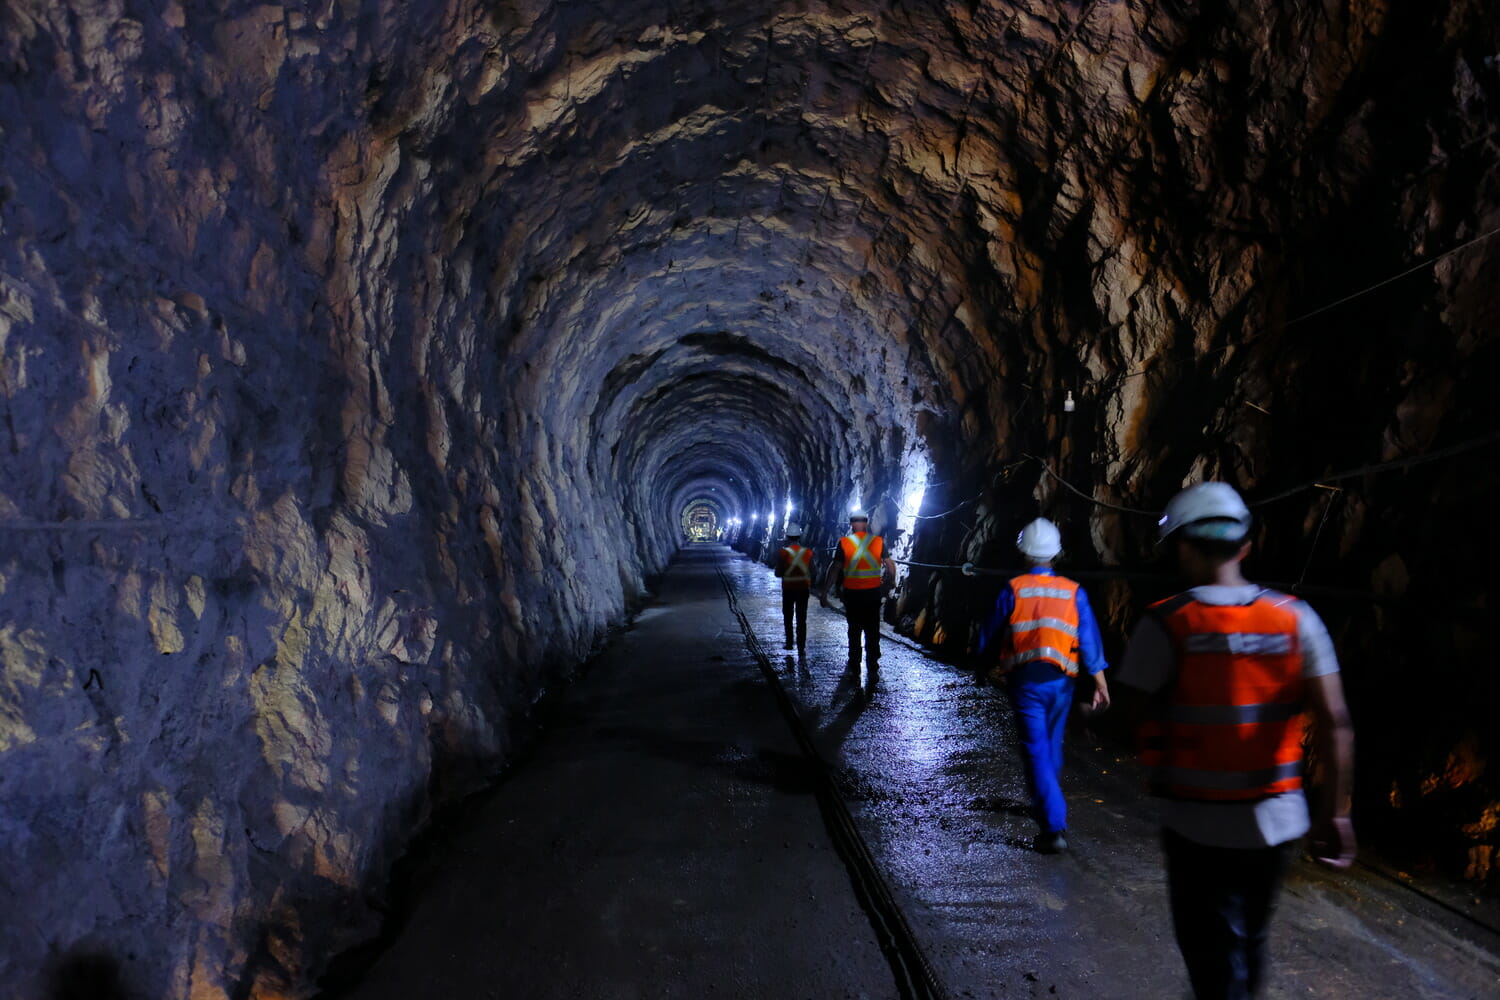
(402,403)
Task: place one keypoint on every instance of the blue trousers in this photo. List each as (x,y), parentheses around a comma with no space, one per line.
(1042,695)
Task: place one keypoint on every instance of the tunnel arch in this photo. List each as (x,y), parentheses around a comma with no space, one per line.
(359,364)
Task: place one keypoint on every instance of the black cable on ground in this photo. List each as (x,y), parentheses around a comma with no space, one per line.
(915,978)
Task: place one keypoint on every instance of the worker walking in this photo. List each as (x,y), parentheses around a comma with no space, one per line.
(1230,668)
(794,564)
(863,569)
(1040,632)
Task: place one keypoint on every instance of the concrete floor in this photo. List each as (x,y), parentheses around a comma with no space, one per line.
(664,841)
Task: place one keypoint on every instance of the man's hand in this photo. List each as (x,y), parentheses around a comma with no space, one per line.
(1332,833)
(1333,842)
(1100,701)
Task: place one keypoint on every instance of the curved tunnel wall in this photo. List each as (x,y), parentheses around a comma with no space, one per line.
(359,360)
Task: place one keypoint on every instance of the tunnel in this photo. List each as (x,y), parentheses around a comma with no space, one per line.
(365,364)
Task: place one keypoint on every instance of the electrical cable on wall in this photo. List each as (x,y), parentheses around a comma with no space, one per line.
(1320,310)
(1473,444)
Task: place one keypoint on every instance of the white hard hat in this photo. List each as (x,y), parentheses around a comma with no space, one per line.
(858,515)
(793,530)
(1040,539)
(1209,511)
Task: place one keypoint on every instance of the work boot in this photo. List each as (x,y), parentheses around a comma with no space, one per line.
(787,644)
(801,652)
(1051,843)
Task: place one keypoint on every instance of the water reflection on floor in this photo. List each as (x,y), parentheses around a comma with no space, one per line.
(926,760)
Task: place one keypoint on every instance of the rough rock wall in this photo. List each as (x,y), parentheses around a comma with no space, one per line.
(359,358)
(1279,159)
(264,587)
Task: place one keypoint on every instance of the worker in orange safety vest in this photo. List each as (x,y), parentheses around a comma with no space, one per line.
(863,570)
(794,564)
(1229,670)
(1040,634)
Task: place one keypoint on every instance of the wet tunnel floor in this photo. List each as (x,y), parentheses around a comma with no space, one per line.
(663,840)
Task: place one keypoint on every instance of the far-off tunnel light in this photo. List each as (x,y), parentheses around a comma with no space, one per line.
(1068,405)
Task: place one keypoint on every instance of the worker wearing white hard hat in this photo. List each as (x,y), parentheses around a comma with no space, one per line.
(1234,667)
(794,564)
(1206,511)
(1039,636)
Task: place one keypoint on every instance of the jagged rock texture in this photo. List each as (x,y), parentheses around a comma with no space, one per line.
(358,360)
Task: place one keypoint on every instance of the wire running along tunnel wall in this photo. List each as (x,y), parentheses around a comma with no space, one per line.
(359,362)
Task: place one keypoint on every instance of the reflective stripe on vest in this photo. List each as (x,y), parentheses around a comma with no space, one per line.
(1250,643)
(1232,783)
(1043,624)
(1056,624)
(1060,593)
(798,560)
(861,561)
(1233,727)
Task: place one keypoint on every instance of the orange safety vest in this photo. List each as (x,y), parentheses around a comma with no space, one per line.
(796,567)
(1044,624)
(862,556)
(1233,723)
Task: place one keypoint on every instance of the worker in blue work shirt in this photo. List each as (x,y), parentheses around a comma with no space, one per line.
(1040,634)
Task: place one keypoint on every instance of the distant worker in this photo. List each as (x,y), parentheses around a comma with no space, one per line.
(863,570)
(1040,629)
(794,564)
(1230,669)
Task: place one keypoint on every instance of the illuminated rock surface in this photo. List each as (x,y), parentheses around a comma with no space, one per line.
(359,360)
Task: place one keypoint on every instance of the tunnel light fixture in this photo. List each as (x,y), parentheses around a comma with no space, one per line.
(754,517)
(770,516)
(789,507)
(916,475)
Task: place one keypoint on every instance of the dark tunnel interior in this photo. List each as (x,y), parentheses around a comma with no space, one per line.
(363,362)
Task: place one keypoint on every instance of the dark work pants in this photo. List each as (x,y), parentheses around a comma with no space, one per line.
(1222,899)
(794,604)
(863,610)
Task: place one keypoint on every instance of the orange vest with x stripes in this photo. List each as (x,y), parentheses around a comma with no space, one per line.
(796,568)
(862,556)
